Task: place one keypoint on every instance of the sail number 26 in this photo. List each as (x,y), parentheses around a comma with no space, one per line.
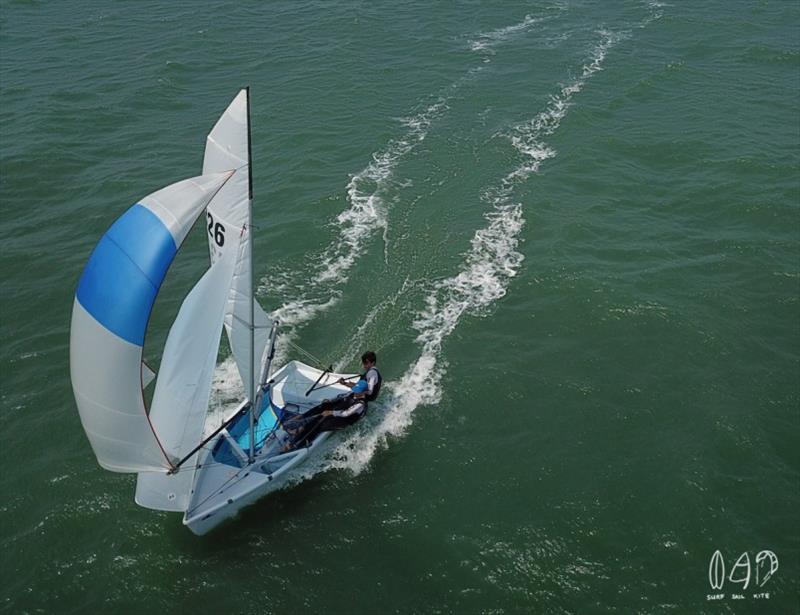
(216,231)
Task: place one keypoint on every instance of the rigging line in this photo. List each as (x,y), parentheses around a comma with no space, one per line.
(217,490)
(189,468)
(244,322)
(205,441)
(318,361)
(273,432)
(330,384)
(215,463)
(185,468)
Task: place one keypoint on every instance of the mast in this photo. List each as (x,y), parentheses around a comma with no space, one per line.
(250,384)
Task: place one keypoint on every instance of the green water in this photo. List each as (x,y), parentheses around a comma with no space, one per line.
(571,230)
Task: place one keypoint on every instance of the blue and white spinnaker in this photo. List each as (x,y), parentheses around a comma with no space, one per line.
(112,306)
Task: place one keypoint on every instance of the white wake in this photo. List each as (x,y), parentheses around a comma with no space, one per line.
(365,192)
(486,42)
(488,267)
(367,213)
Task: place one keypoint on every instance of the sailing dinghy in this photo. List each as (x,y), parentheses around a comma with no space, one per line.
(183,461)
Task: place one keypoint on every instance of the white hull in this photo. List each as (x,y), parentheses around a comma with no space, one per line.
(221,490)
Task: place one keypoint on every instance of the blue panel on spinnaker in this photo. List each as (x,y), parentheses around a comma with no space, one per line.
(120,282)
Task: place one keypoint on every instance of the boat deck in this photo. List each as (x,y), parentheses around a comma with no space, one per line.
(239,430)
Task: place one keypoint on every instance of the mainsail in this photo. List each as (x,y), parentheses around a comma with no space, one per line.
(228,147)
(112,305)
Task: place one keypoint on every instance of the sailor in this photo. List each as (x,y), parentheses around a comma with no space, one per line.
(342,412)
(363,391)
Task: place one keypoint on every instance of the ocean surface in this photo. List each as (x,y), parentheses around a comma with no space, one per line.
(570,230)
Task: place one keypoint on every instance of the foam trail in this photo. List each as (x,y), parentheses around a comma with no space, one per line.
(320,289)
(365,216)
(366,192)
(527,137)
(490,264)
(485,42)
(656,12)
